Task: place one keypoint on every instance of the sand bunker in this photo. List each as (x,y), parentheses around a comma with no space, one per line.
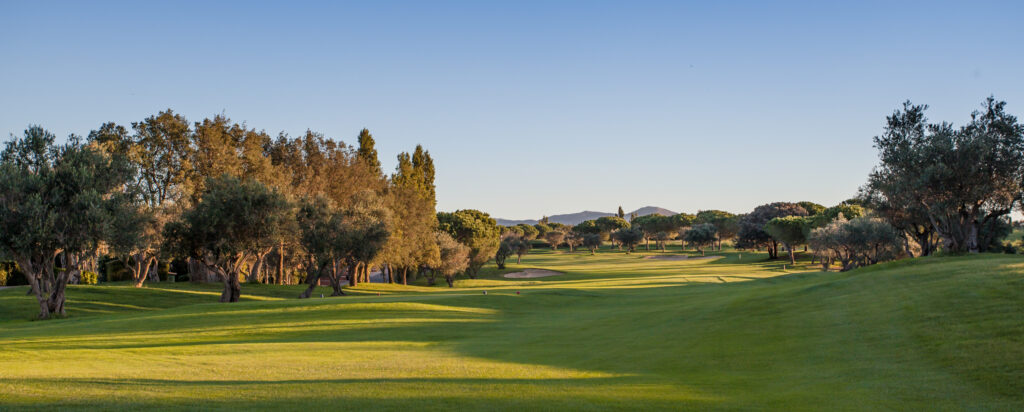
(681,257)
(532,273)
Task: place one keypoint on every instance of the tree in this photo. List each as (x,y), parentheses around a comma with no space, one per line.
(475,229)
(648,225)
(726,224)
(529,231)
(751,228)
(510,230)
(662,239)
(592,241)
(135,239)
(368,223)
(811,207)
(958,179)
(573,240)
(321,228)
(628,237)
(520,246)
(412,244)
(455,257)
(621,214)
(367,153)
(609,224)
(337,240)
(701,235)
(233,221)
(56,202)
(587,226)
(554,238)
(789,230)
(856,242)
(505,250)
(910,219)
(542,229)
(162,151)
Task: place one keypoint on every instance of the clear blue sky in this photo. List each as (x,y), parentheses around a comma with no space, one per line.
(533,108)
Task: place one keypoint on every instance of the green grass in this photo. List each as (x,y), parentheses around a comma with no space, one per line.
(615,332)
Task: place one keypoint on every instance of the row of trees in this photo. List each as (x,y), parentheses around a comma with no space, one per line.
(937,187)
(228,202)
(708,227)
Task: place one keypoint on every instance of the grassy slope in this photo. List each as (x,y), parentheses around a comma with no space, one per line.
(615,332)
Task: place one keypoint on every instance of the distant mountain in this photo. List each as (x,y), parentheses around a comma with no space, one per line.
(576,218)
(506,222)
(650,210)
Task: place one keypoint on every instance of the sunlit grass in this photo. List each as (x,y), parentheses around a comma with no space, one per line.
(615,331)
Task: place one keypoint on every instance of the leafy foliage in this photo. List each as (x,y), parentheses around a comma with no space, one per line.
(751,227)
(957,178)
(475,229)
(701,235)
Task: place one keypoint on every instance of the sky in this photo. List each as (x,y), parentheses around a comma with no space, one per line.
(533,108)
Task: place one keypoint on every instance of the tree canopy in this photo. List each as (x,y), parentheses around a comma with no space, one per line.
(959,179)
(475,229)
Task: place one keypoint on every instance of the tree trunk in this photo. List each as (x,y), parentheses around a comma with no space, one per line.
(232,288)
(153,270)
(792,258)
(352,274)
(313,281)
(257,266)
(450,280)
(336,279)
(405,278)
(280,263)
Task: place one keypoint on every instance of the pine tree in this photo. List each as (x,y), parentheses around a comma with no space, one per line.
(367,152)
(423,164)
(622,214)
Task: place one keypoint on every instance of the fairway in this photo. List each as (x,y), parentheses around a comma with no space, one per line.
(615,331)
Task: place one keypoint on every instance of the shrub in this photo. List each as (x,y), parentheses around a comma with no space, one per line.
(88,277)
(4,274)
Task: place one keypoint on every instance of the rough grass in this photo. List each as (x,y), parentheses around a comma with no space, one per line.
(614,332)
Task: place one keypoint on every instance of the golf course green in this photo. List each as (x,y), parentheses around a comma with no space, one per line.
(614,331)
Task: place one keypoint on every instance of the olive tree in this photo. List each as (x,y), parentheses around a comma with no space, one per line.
(554,238)
(56,205)
(455,258)
(856,242)
(628,237)
(233,222)
(958,178)
(573,240)
(592,241)
(504,251)
(475,229)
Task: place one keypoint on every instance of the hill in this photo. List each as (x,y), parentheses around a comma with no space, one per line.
(650,210)
(614,332)
(576,218)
